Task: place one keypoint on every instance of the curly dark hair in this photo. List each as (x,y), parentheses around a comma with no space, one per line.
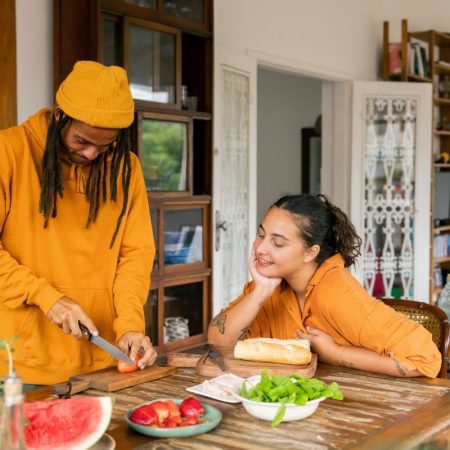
(321,223)
(52,183)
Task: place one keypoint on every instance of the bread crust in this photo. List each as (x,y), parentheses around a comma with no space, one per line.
(281,351)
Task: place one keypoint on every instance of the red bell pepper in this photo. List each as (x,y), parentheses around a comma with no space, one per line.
(191,408)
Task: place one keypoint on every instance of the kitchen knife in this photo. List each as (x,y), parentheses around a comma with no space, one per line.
(216,357)
(105,345)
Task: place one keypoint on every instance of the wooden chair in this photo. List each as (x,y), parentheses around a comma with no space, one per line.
(433,318)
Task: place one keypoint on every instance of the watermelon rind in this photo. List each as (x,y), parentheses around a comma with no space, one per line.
(73,424)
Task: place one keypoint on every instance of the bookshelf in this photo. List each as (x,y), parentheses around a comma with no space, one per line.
(424,56)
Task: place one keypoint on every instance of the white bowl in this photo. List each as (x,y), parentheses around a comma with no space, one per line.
(267,411)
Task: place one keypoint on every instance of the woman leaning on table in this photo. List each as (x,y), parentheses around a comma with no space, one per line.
(301,288)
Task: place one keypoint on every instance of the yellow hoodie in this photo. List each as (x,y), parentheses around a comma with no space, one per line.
(39,266)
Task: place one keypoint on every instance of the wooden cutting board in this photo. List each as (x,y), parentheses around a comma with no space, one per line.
(207,367)
(111,380)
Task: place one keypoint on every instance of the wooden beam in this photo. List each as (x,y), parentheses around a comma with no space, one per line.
(8,74)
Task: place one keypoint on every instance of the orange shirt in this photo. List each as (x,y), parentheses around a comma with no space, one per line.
(337,304)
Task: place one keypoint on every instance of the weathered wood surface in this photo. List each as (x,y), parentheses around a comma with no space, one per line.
(111,379)
(377,413)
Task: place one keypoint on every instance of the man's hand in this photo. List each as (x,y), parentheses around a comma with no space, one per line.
(66,313)
(322,344)
(131,342)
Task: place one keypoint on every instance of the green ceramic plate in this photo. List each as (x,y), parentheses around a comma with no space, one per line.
(211,419)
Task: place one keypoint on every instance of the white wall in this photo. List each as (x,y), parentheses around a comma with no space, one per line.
(338,37)
(286,103)
(34,56)
(342,38)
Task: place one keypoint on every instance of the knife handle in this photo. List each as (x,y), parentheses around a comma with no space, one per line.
(84,329)
(65,390)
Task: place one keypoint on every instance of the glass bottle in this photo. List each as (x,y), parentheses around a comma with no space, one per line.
(444,298)
(12,421)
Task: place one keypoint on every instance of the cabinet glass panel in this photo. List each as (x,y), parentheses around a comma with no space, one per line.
(152,64)
(144,3)
(155,227)
(389,196)
(186,9)
(183,311)
(151,316)
(164,155)
(111,45)
(183,236)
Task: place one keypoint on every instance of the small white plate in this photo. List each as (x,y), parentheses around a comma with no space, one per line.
(220,388)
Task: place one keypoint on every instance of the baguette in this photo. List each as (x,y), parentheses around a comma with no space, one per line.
(282,351)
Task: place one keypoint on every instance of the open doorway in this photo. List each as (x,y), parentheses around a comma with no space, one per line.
(288,136)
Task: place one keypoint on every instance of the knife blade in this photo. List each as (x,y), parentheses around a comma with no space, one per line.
(216,357)
(105,345)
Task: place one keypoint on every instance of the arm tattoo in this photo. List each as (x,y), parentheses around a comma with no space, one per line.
(219,322)
(243,333)
(399,368)
(347,364)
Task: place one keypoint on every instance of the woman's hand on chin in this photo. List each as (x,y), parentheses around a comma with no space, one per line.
(323,344)
(261,280)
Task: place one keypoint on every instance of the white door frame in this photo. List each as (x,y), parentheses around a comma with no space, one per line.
(336,121)
(225,59)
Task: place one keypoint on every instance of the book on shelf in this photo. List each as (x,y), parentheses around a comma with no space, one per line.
(418,62)
(443,63)
(395,58)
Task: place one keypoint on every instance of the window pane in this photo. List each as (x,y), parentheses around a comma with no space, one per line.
(183,311)
(111,46)
(152,65)
(151,316)
(183,236)
(144,3)
(187,9)
(389,211)
(141,62)
(164,155)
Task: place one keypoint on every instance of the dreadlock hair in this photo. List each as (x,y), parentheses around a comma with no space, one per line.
(52,183)
(321,223)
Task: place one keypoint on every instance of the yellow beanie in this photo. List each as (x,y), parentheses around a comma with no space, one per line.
(97,95)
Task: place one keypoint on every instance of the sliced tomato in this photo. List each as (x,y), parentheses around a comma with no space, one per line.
(174,411)
(161,409)
(124,367)
(144,415)
(188,422)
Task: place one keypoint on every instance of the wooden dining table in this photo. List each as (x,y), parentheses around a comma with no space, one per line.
(377,413)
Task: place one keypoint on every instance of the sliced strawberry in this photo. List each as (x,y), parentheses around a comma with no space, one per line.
(144,415)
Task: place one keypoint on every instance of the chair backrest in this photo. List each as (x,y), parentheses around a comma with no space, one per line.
(433,318)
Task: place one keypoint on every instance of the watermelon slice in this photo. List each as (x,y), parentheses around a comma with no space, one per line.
(73,424)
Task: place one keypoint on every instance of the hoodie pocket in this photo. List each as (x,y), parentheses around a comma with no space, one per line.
(48,344)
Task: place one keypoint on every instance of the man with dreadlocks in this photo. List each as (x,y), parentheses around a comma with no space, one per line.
(76,239)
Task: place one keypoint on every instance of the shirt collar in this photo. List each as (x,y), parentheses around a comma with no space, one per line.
(333,261)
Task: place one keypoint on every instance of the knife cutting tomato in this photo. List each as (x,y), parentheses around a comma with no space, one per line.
(124,367)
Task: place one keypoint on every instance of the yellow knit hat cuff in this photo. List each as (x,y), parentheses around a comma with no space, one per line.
(97,95)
